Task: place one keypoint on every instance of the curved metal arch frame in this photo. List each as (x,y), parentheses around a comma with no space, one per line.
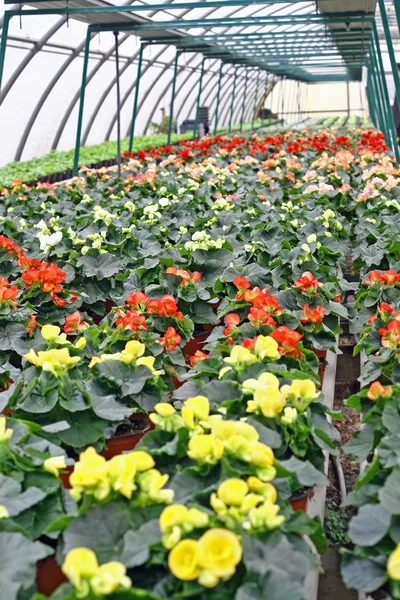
(66,64)
(171,63)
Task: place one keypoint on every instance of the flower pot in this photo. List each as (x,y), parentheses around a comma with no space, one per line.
(195,343)
(125,443)
(177,384)
(299,502)
(49,576)
(65,476)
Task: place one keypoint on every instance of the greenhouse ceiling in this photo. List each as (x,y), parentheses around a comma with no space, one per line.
(300,40)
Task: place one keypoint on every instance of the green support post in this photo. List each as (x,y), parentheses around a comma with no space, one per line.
(255,99)
(171,108)
(233,101)
(392,56)
(244,100)
(136,99)
(196,122)
(81,102)
(397,9)
(386,98)
(378,95)
(3,45)
(218,99)
(370,101)
(375,95)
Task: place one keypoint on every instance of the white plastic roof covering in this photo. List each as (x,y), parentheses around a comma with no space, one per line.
(43,66)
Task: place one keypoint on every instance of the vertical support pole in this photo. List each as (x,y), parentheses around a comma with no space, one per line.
(117,82)
(171,107)
(3,44)
(136,99)
(386,98)
(348,99)
(255,99)
(397,9)
(377,94)
(374,91)
(218,99)
(244,100)
(264,96)
(233,101)
(81,102)
(389,43)
(196,122)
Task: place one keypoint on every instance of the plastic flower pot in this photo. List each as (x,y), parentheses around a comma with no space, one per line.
(299,501)
(125,443)
(195,343)
(65,477)
(49,576)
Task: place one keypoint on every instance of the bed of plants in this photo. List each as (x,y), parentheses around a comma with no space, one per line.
(60,162)
(162,343)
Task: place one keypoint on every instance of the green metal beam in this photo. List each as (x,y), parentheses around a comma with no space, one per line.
(233,101)
(136,98)
(81,103)
(199,98)
(218,99)
(171,108)
(244,100)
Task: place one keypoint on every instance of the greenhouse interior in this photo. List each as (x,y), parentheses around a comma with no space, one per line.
(200,300)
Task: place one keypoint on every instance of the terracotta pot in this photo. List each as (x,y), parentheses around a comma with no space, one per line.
(49,576)
(176,382)
(299,502)
(195,343)
(117,445)
(65,477)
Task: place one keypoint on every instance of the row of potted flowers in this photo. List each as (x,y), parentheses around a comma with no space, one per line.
(187,305)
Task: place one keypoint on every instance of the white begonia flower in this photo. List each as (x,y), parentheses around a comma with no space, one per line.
(164,202)
(306,248)
(312,238)
(86,199)
(129,206)
(49,241)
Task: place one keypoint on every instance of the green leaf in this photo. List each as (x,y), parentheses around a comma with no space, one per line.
(269,437)
(187,483)
(101,529)
(370,525)
(361,444)
(85,428)
(136,548)
(101,267)
(10,336)
(16,501)
(18,557)
(130,379)
(389,494)
(391,417)
(104,405)
(305,472)
(362,573)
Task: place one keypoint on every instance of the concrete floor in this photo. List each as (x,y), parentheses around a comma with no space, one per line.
(331,586)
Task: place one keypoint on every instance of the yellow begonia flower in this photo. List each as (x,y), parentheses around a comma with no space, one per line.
(265,381)
(121,471)
(80,563)
(54,464)
(135,348)
(178,519)
(289,416)
(183,560)
(5,433)
(205,448)
(80,344)
(240,357)
(266,490)
(301,393)
(200,406)
(110,577)
(164,409)
(150,483)
(3,512)
(95,360)
(223,371)
(148,361)
(266,517)
(393,564)
(54,360)
(266,347)
(269,401)
(172,515)
(232,491)
(142,460)
(91,475)
(219,552)
(50,332)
